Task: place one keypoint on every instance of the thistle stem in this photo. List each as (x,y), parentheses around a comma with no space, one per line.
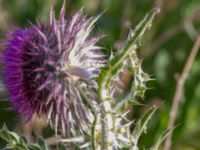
(106,122)
(103,133)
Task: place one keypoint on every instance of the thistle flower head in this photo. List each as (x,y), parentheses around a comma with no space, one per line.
(43,65)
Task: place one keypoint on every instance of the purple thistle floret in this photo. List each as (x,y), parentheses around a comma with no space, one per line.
(43,65)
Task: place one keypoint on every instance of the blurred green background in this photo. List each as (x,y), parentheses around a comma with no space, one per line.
(164,52)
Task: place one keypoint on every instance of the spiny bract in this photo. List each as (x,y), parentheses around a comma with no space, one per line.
(44,65)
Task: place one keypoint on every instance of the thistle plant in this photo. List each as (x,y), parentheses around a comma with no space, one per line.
(57,70)
(43,67)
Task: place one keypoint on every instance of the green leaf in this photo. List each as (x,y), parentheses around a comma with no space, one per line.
(161,139)
(61,146)
(34,147)
(42,144)
(141,125)
(23,139)
(117,62)
(8,148)
(14,140)
(9,136)
(76,146)
(125,100)
(133,102)
(18,142)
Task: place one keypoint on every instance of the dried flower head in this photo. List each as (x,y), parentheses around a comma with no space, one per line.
(43,65)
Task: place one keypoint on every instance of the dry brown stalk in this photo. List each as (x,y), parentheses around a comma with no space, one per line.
(179,91)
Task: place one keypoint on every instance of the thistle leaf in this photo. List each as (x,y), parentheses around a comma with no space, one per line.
(18,142)
(9,136)
(161,139)
(117,62)
(61,146)
(129,100)
(42,143)
(141,125)
(134,102)
(34,147)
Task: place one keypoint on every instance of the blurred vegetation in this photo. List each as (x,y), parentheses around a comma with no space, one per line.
(164,53)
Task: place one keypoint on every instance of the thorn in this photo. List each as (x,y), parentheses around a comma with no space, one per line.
(62,12)
(5,127)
